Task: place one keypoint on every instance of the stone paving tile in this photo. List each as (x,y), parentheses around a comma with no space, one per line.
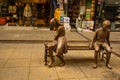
(84,59)
(114,60)
(43,73)
(14,74)
(83,79)
(21,51)
(7,46)
(20,54)
(74,79)
(17,63)
(38,62)
(35,35)
(2,62)
(68,72)
(24,46)
(90,72)
(96,79)
(68,79)
(81,57)
(113,35)
(114,63)
(5,54)
(78,65)
(110,75)
(88,34)
(37,58)
(1,69)
(37,55)
(38,52)
(76,36)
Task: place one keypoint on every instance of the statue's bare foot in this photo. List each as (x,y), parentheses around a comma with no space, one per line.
(108,66)
(51,63)
(62,64)
(94,66)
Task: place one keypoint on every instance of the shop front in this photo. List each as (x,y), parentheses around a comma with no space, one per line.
(112,12)
(88,14)
(81,13)
(107,9)
(25,12)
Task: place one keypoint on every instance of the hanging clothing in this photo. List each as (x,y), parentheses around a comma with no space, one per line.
(20,10)
(53,6)
(57,14)
(12,9)
(27,11)
(34,10)
(4,9)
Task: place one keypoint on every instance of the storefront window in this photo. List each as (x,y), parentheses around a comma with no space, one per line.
(13,11)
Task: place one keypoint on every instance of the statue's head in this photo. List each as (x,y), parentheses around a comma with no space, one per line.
(106,24)
(54,23)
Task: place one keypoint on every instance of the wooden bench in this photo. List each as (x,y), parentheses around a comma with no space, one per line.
(76,47)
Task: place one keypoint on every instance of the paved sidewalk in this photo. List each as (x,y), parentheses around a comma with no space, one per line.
(25,61)
(114,39)
(21,61)
(114,36)
(41,35)
(31,33)
(35,35)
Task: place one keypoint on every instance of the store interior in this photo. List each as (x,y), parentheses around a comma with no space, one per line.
(16,11)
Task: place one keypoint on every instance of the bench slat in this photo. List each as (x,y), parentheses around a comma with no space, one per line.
(78,48)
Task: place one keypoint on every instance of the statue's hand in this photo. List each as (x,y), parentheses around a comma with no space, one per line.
(91,46)
(111,47)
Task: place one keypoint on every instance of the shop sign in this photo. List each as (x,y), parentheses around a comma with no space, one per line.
(84,23)
(67,23)
(66,20)
(89,24)
(88,14)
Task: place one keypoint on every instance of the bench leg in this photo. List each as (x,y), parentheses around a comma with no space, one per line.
(45,55)
(103,53)
(99,54)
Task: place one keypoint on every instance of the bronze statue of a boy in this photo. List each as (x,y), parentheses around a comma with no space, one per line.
(101,38)
(59,44)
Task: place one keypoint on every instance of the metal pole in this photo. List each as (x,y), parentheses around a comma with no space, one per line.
(65,7)
(95,15)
